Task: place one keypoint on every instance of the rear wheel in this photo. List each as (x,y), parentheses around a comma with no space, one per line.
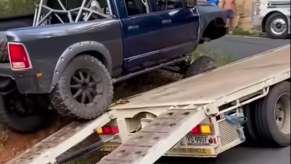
(269,118)
(22,114)
(84,90)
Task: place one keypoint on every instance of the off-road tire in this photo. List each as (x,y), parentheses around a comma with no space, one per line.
(63,100)
(3,50)
(269,21)
(269,132)
(200,65)
(39,119)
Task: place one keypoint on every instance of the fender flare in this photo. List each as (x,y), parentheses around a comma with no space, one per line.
(73,51)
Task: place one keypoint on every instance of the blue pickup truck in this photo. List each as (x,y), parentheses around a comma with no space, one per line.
(73,54)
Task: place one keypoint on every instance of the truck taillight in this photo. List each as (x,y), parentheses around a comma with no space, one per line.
(108,130)
(202,129)
(18,56)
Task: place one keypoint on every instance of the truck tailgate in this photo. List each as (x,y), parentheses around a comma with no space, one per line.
(212,85)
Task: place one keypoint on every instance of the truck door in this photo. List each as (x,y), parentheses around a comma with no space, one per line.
(180,27)
(142,36)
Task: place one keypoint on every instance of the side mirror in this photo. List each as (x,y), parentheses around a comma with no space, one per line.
(191,3)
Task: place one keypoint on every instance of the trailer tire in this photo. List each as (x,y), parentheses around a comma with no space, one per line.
(270,108)
(270,29)
(91,78)
(13,114)
(3,50)
(252,136)
(200,65)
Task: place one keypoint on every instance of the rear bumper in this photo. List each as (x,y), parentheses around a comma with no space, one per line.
(26,82)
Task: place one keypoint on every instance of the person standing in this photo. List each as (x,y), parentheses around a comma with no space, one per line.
(229,7)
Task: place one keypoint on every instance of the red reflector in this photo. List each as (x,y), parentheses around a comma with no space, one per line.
(18,56)
(106,130)
(114,130)
(195,130)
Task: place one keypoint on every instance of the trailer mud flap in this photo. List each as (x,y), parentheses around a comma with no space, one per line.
(156,138)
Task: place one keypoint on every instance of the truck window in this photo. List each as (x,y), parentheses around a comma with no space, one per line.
(136,7)
(14,8)
(163,5)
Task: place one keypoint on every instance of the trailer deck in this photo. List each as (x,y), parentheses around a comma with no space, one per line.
(179,107)
(205,88)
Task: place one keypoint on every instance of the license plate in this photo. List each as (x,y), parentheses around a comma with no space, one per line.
(190,151)
(198,140)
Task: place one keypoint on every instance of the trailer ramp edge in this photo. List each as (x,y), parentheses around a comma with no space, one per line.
(156,138)
(46,151)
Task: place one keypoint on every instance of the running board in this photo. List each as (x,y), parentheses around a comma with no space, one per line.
(156,138)
(46,151)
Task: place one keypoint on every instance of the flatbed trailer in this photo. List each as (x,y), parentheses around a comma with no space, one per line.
(201,116)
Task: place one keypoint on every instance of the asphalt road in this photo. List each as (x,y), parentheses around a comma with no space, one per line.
(242,47)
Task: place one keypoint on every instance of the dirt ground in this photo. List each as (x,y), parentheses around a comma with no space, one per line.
(12,144)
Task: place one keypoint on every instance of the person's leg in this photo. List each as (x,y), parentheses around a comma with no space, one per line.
(230,21)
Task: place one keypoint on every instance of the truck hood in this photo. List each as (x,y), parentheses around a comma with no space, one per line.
(50,31)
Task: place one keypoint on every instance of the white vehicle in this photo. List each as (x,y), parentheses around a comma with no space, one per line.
(201,116)
(272,17)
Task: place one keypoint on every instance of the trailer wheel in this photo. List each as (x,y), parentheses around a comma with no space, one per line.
(273,116)
(22,115)
(250,126)
(3,50)
(200,65)
(277,26)
(85,89)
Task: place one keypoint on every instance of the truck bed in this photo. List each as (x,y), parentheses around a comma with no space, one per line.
(212,85)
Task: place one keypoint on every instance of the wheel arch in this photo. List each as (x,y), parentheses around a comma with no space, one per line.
(92,48)
(267,17)
(216,24)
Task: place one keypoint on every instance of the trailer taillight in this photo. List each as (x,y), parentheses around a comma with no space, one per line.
(18,56)
(108,130)
(202,129)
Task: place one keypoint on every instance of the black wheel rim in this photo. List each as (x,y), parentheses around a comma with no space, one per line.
(86,87)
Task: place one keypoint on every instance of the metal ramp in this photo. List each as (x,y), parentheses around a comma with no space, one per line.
(46,151)
(154,140)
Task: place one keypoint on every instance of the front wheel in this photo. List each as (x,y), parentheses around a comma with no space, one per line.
(85,89)
(277,26)
(200,65)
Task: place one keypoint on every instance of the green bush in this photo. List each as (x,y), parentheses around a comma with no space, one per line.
(16,7)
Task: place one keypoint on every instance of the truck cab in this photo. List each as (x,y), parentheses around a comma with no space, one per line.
(272,17)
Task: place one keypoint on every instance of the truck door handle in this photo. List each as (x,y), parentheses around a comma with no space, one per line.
(166,21)
(133,27)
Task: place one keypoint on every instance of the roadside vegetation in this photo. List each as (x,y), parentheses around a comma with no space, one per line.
(241,32)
